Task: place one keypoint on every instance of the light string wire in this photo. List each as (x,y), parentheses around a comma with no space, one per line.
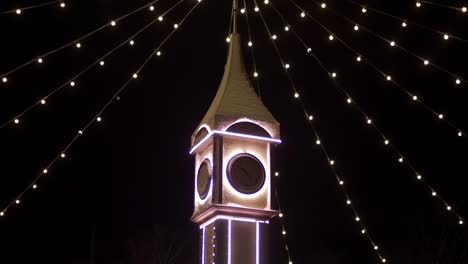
(72,81)
(392,43)
(439,115)
(349,99)
(19,10)
(405,22)
(97,117)
(339,180)
(283,227)
(251,46)
(462,9)
(4,76)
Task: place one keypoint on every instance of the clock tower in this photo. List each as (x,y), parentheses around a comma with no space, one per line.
(232,200)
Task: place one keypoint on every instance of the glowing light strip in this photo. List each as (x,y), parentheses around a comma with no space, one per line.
(232,134)
(257,243)
(203,247)
(229,240)
(230,218)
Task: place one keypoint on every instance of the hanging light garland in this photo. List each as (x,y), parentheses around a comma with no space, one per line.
(72,81)
(282,220)
(348,98)
(319,142)
(462,9)
(405,22)
(76,42)
(19,11)
(359,57)
(96,118)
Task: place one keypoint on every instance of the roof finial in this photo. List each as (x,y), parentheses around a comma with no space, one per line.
(235,11)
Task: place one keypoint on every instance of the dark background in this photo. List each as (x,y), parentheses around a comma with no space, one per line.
(126,186)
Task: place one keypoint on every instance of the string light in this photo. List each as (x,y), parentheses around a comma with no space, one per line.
(392,43)
(274,37)
(356,28)
(16,121)
(426,62)
(276,173)
(256,9)
(78,45)
(151,8)
(158,53)
(403,24)
(40,60)
(311,117)
(99,119)
(101,63)
(255,74)
(96,117)
(18,11)
(135,76)
(363,10)
(331,37)
(349,100)
(286,28)
(464,9)
(302,14)
(323,5)
(72,84)
(62,5)
(160,18)
(389,78)
(296,95)
(446,37)
(228,39)
(441,116)
(250,44)
(4,79)
(43,101)
(386,142)
(418,4)
(243,10)
(358,58)
(333,75)
(113,23)
(176,26)
(457,81)
(63,155)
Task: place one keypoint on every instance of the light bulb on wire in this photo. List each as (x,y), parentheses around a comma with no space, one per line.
(62,5)
(403,24)
(331,37)
(303,14)
(446,37)
(356,28)
(364,9)
(418,4)
(323,5)
(18,11)
(464,9)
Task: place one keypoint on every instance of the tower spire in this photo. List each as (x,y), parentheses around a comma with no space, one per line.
(235,11)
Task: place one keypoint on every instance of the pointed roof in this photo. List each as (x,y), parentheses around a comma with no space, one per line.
(236,97)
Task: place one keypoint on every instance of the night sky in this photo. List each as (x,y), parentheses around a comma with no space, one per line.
(126,185)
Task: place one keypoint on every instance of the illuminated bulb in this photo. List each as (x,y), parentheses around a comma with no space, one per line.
(392,43)
(415,98)
(45,171)
(364,10)
(363,231)
(349,100)
(16,121)
(290,262)
(376,247)
(17,201)
(284,232)
(2,213)
(418,4)
(441,116)
(113,23)
(400,160)
(34,186)
(419,177)
(4,79)
(317,142)
(460,133)
(256,9)
(446,37)
(356,27)
(80,132)
(62,155)
(266,2)
(62,5)
(274,37)
(43,101)
(331,37)
(250,44)
(457,81)
(286,28)
(158,53)
(160,18)
(460,222)
(333,74)
(341,182)
(302,14)
(280,215)
(255,74)
(449,208)
(309,50)
(323,5)
(296,95)
(464,9)
(403,24)
(348,202)
(369,121)
(287,66)
(384,260)
(434,194)
(358,219)
(389,78)
(18,11)
(332,162)
(276,173)
(72,84)
(135,76)
(311,117)
(228,39)
(99,119)
(243,10)
(151,8)
(358,58)
(426,62)
(132,42)
(386,142)
(176,26)
(78,45)
(101,63)
(39,60)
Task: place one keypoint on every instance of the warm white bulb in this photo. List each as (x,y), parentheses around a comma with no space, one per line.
(415,98)
(256,9)
(4,79)
(418,4)
(284,232)
(62,155)
(40,60)
(369,121)
(317,142)
(151,8)
(460,222)
(446,37)
(348,202)
(357,219)
(80,132)
(160,18)
(266,2)
(392,43)
(243,10)
(135,76)
(276,173)
(384,260)
(332,162)
(255,74)
(376,247)
(18,11)
(349,100)
(419,177)
(158,53)
(457,81)
(45,171)
(333,74)
(72,84)
(113,23)
(101,63)
(132,42)
(364,10)
(274,37)
(17,201)
(62,5)
(460,133)
(78,45)
(228,39)
(426,62)
(303,14)
(280,215)
(400,160)
(311,117)
(464,9)
(323,5)
(43,101)
(309,50)
(331,37)
(341,182)
(441,116)
(16,121)
(403,24)
(449,208)
(389,78)
(176,26)
(287,66)
(34,186)
(99,119)
(386,142)
(434,194)
(296,95)
(356,27)
(2,213)
(358,58)
(286,28)
(250,44)
(363,231)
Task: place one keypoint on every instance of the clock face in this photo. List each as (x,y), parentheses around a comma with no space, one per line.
(246,173)
(204,179)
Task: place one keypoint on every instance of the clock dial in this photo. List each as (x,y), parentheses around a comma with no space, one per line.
(246,174)
(204,179)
